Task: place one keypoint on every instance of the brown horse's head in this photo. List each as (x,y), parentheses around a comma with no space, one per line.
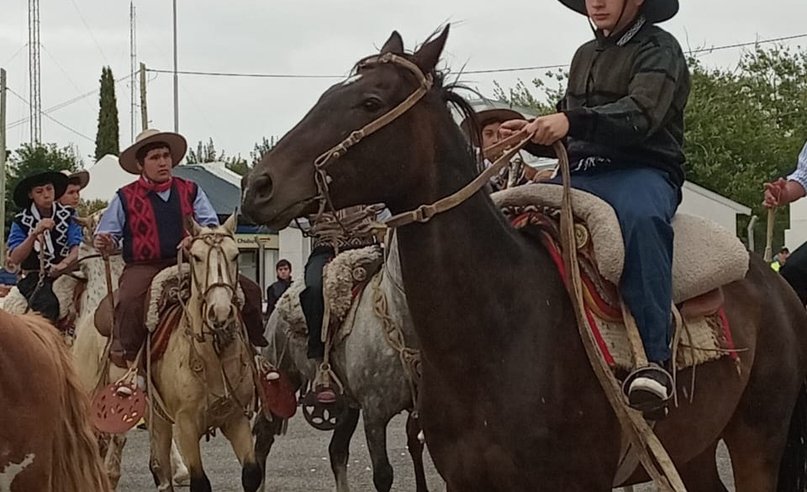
(381,166)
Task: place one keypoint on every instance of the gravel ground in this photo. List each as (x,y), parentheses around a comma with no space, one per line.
(299,463)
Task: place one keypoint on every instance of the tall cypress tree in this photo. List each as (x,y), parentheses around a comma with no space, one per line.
(107,140)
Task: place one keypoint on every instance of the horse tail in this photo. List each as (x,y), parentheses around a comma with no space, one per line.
(793,468)
(76,460)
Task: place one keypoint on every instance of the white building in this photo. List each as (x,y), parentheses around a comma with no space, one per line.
(697,200)
(796,235)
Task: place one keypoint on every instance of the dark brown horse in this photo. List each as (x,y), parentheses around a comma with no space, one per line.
(509,399)
(46,440)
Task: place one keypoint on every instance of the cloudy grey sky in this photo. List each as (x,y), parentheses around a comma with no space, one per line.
(305,37)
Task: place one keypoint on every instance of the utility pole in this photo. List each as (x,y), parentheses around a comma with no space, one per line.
(176,79)
(2,160)
(132,69)
(144,114)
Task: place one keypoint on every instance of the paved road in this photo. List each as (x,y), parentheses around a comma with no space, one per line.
(299,463)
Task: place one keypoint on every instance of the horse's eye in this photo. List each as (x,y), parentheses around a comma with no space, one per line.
(372,104)
(196,257)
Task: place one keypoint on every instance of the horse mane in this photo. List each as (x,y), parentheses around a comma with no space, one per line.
(76,460)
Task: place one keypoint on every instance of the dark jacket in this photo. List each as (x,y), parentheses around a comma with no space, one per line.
(625,101)
(273,293)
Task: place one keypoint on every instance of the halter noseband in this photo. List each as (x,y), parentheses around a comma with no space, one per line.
(425,82)
(213,240)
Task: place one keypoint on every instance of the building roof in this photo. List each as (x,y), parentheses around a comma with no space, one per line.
(737,207)
(224,195)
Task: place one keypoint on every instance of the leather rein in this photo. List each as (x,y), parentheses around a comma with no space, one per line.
(511,146)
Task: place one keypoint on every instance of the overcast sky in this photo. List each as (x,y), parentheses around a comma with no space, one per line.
(326,37)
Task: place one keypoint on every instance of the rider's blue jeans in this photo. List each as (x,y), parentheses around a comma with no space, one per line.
(645,201)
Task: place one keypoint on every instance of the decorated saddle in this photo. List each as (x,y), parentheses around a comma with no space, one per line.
(169,290)
(705,258)
(68,290)
(344,279)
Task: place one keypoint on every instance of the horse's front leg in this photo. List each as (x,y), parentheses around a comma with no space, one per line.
(415,447)
(112,458)
(339,449)
(375,430)
(160,460)
(187,438)
(237,431)
(181,476)
(265,432)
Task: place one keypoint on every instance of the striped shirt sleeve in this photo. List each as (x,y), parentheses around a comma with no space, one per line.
(800,174)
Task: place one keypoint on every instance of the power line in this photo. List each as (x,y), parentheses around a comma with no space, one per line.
(746,44)
(21,98)
(15,54)
(252,75)
(66,103)
(92,35)
(466,72)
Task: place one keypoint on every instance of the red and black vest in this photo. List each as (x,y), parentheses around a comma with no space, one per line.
(153,227)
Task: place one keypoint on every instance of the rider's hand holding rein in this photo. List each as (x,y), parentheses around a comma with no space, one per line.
(44,225)
(782,192)
(546,130)
(104,243)
(185,244)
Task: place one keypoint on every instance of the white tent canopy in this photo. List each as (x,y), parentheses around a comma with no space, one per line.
(106,176)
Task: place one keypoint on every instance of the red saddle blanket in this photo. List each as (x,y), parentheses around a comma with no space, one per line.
(603,312)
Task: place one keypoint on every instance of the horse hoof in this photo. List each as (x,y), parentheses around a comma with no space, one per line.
(182,479)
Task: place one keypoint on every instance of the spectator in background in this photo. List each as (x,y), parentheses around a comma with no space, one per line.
(780,259)
(274,291)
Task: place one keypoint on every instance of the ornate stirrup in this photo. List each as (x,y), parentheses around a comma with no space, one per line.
(324,416)
(651,410)
(113,411)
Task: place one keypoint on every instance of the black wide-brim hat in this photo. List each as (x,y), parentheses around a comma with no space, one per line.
(654,11)
(57,179)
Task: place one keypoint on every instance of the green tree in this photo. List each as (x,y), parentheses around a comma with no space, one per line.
(88,207)
(107,140)
(238,165)
(33,158)
(744,126)
(204,153)
(261,148)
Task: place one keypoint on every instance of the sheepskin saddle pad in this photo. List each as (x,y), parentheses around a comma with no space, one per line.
(169,290)
(344,279)
(698,275)
(705,255)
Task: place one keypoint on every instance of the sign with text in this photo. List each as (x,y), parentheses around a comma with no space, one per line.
(250,241)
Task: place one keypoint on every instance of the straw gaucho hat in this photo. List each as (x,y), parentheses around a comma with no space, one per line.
(174,141)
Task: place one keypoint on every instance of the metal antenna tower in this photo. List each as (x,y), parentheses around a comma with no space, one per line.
(35,106)
(133,66)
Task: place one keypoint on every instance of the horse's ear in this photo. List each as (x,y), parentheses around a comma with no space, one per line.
(394,44)
(192,226)
(231,223)
(429,54)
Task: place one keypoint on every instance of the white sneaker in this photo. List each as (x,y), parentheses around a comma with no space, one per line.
(650,389)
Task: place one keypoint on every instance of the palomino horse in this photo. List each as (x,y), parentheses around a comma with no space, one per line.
(46,440)
(89,347)
(370,369)
(509,400)
(205,377)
